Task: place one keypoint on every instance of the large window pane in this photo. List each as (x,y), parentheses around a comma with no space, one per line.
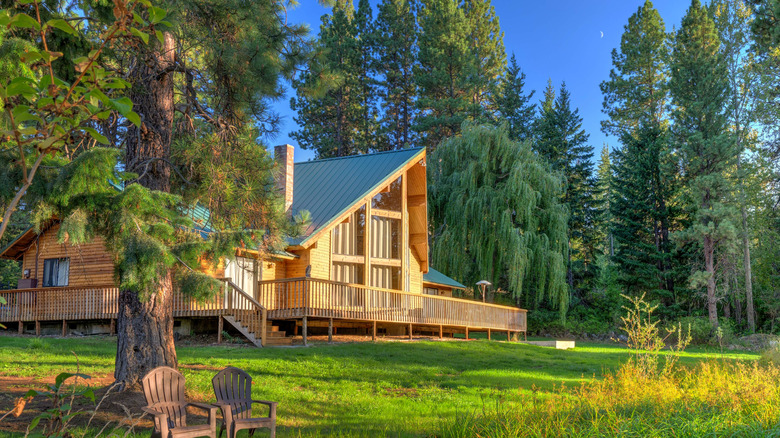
(386,277)
(55,272)
(389,199)
(349,237)
(385,238)
(348,272)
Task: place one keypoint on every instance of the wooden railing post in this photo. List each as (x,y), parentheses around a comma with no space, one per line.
(219,329)
(304,330)
(330,330)
(263,326)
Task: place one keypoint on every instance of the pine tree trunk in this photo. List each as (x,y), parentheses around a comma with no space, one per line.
(746,250)
(145,327)
(709,266)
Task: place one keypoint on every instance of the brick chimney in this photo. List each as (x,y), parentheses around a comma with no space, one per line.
(283,154)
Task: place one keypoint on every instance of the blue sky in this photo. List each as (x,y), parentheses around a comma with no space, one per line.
(556,39)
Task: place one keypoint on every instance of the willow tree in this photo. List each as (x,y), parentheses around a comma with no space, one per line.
(496,214)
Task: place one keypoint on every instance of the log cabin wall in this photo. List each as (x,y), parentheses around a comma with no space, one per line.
(89,264)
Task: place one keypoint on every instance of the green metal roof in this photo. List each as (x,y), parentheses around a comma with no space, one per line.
(327,188)
(436,277)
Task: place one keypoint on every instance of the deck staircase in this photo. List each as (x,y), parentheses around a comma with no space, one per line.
(274,336)
(248,316)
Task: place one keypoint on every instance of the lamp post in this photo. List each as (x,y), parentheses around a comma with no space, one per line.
(483,284)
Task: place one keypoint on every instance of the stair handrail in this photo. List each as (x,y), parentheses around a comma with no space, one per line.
(263,310)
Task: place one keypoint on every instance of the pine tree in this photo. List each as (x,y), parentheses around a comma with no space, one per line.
(396,45)
(699,90)
(733,21)
(330,95)
(487,49)
(368,126)
(514,106)
(636,99)
(604,194)
(496,214)
(443,72)
(561,140)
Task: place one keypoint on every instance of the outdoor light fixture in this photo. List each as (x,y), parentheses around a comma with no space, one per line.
(483,284)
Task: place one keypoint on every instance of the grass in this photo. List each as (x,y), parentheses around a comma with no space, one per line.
(416,389)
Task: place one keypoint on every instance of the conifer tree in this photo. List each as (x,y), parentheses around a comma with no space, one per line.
(699,90)
(489,63)
(561,140)
(514,105)
(368,126)
(636,98)
(733,21)
(396,45)
(603,194)
(496,214)
(330,95)
(443,72)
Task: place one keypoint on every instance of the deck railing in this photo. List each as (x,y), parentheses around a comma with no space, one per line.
(310,297)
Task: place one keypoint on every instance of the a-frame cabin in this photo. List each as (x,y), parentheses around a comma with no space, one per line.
(361,266)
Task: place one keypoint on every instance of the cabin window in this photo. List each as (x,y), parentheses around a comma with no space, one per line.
(386,277)
(390,198)
(55,272)
(348,273)
(430,291)
(243,272)
(349,236)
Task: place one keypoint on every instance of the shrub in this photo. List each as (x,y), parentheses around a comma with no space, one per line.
(702,332)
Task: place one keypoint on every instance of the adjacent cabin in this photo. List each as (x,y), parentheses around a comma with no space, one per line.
(361,266)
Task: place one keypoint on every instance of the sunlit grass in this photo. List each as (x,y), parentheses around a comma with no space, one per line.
(365,389)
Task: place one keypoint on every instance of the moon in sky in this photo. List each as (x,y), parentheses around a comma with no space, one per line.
(602,34)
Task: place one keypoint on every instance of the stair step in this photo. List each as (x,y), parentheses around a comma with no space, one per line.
(278,341)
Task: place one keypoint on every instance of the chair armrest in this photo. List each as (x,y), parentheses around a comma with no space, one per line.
(271,407)
(160,420)
(212,410)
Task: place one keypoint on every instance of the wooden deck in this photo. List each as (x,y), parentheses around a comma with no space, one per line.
(297,298)
(314,298)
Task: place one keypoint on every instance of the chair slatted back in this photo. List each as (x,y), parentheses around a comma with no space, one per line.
(164,391)
(234,386)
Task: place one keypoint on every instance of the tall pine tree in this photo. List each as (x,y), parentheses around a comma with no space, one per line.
(395,37)
(699,90)
(514,105)
(562,141)
(489,57)
(636,98)
(443,72)
(331,95)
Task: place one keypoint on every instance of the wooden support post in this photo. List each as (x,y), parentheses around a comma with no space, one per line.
(525,336)
(37,328)
(21,327)
(410,331)
(467,333)
(330,330)
(113,327)
(373,332)
(508,335)
(263,327)
(64,328)
(441,331)
(219,330)
(295,330)
(304,330)
(489,335)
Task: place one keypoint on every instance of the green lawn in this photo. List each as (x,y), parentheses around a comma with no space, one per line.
(361,389)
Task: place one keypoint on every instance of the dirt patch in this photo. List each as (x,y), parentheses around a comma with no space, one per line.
(114,410)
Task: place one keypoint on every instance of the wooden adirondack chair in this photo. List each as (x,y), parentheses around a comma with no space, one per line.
(164,391)
(233,388)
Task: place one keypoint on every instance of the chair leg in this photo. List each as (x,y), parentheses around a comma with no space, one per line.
(221,429)
(273,429)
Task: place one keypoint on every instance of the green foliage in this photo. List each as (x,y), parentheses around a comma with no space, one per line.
(486,46)
(514,105)
(59,416)
(561,140)
(332,99)
(395,39)
(443,71)
(496,214)
(699,88)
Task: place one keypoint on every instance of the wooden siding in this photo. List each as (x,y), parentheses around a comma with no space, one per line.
(90,263)
(415,273)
